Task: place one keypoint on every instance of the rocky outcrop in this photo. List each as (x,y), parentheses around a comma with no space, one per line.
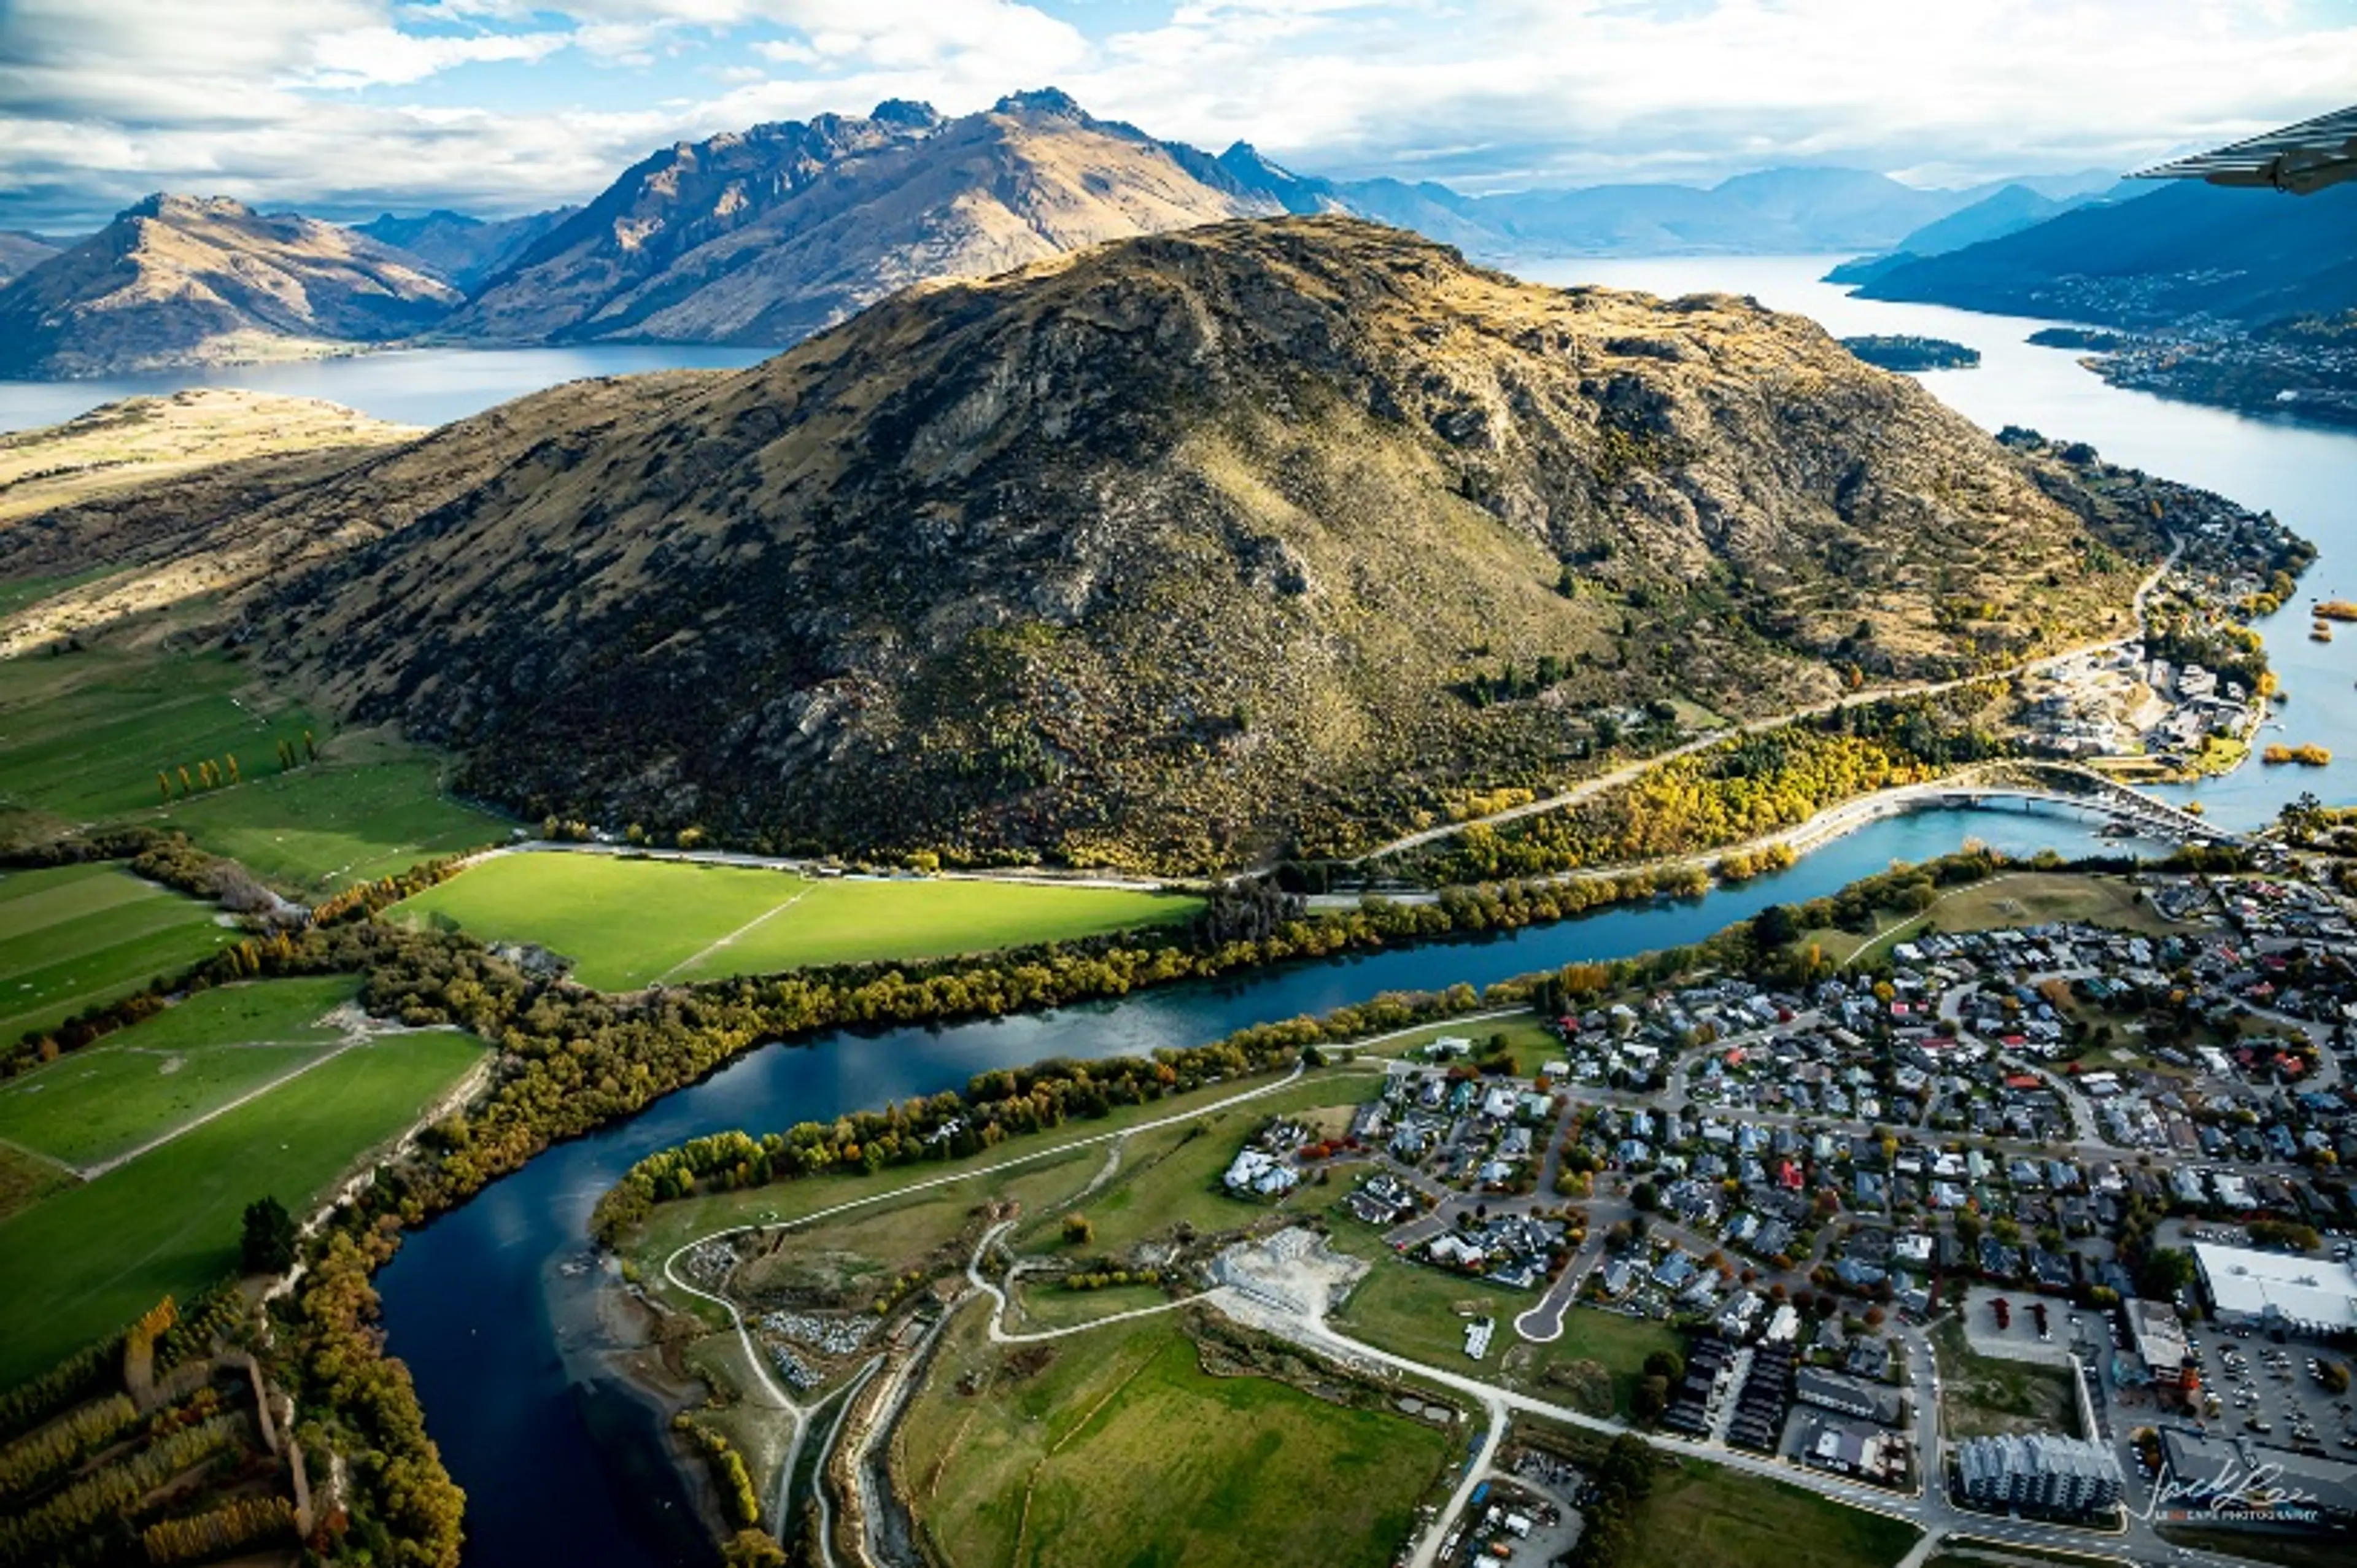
(767,235)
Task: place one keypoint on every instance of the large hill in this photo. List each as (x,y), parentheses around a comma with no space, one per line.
(176,280)
(767,235)
(1172,553)
(2183,253)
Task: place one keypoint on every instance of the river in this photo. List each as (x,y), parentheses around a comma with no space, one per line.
(557,1465)
(555,1461)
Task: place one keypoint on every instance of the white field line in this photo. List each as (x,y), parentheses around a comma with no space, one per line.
(728,940)
(92,1173)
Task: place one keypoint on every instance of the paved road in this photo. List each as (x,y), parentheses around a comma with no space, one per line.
(1590,788)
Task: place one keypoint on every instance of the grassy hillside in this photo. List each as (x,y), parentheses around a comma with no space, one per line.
(82,935)
(1245,540)
(84,735)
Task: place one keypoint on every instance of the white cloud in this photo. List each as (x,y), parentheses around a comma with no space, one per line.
(380,56)
(295,102)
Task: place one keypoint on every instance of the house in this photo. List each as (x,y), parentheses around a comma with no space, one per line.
(1258,1172)
(1832,1391)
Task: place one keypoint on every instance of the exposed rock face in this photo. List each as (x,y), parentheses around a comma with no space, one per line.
(767,235)
(1186,550)
(178,279)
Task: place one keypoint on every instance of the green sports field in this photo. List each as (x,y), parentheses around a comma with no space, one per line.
(85,934)
(83,738)
(629,922)
(101,1102)
(88,1259)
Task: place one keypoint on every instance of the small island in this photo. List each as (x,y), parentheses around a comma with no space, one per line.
(2080,337)
(1910,353)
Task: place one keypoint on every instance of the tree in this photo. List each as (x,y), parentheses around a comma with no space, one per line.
(1665,1365)
(1648,1399)
(269,1243)
(1644,1197)
(2164,1272)
(753,1548)
(1077,1230)
(1774,927)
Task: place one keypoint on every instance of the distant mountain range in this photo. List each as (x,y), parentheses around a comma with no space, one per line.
(764,236)
(21,252)
(2183,253)
(2023,204)
(465,251)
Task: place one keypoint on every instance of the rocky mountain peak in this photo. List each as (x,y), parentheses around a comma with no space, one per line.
(1048,102)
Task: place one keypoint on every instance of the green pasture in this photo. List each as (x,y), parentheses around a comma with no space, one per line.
(628,922)
(328,826)
(1116,1446)
(84,934)
(83,736)
(91,1258)
(101,1101)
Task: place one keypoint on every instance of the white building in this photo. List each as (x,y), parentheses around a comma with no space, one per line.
(1261,1173)
(2309,1296)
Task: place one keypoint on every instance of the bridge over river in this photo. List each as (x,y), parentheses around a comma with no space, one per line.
(2061,786)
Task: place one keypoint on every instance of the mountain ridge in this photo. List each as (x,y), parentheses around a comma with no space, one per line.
(1250,538)
(177,280)
(765,235)
(2184,253)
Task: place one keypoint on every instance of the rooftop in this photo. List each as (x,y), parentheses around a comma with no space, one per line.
(2299,1290)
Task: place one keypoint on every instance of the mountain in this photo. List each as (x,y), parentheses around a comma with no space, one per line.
(179,280)
(768,235)
(2186,252)
(1771,212)
(2018,205)
(1785,209)
(20,252)
(461,250)
(1168,554)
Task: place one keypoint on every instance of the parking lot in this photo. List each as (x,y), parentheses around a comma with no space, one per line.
(2264,1391)
(2270,1390)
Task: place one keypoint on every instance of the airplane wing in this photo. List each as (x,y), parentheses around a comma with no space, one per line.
(2298,158)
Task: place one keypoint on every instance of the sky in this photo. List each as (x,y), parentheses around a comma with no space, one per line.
(345,108)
